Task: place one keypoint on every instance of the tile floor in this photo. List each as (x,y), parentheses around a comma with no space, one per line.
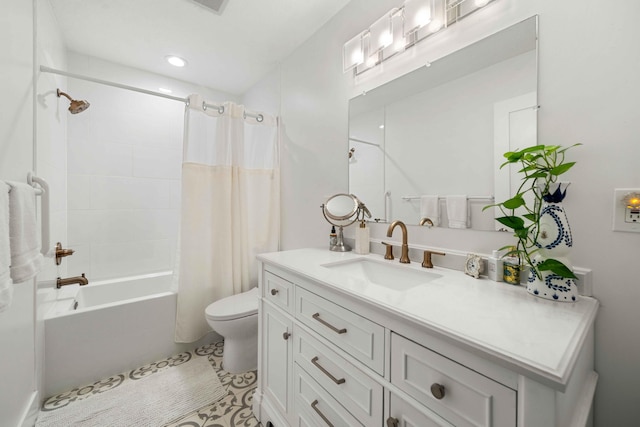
(234,410)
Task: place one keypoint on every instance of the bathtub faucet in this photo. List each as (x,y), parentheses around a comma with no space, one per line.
(80,280)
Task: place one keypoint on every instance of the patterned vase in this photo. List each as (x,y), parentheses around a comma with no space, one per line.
(554,241)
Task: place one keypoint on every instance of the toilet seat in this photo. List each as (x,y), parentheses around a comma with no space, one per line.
(234,307)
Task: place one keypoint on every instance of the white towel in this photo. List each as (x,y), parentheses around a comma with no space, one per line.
(457,211)
(26,258)
(430,208)
(6,284)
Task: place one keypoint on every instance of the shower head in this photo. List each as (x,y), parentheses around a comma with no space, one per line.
(76,106)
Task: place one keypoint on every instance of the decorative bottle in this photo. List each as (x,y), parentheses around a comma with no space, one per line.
(362,238)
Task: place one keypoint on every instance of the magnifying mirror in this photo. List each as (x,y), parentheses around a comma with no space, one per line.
(342,210)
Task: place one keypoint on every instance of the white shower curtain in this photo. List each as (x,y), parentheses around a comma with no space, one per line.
(230,208)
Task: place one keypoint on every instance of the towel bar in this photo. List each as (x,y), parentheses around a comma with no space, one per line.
(42,189)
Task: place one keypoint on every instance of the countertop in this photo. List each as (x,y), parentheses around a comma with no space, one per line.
(503,321)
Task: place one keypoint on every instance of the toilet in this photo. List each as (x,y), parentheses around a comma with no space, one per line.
(236,319)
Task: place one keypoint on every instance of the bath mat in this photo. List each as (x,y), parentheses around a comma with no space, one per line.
(152,401)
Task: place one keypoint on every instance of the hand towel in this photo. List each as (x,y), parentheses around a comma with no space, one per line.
(457,211)
(430,208)
(24,242)
(6,284)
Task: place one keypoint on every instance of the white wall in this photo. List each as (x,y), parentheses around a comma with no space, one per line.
(17,324)
(51,157)
(124,167)
(588,87)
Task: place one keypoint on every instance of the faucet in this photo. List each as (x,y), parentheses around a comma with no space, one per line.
(80,280)
(404,257)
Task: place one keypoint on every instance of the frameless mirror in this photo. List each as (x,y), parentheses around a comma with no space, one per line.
(441,129)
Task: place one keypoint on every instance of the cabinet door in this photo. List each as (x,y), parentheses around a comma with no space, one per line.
(458,394)
(277,352)
(403,414)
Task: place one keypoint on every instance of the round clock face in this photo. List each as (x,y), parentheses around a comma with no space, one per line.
(473,265)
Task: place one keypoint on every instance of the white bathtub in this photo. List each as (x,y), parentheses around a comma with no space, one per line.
(117,325)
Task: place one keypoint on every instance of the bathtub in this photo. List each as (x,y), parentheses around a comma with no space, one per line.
(108,327)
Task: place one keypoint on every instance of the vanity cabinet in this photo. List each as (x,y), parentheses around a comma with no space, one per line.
(330,357)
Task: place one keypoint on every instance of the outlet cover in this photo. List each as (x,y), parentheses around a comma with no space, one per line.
(624,219)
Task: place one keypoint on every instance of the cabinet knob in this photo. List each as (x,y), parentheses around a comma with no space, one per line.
(286,335)
(274,291)
(392,422)
(437,390)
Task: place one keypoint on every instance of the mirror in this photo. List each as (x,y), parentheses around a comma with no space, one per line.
(341,210)
(441,129)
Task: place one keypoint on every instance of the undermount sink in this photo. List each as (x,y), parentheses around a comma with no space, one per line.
(388,275)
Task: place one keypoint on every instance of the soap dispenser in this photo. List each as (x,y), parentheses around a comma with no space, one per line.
(362,238)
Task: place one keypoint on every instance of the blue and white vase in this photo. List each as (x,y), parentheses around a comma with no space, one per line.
(554,241)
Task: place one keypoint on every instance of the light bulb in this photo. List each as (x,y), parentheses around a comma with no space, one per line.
(385,39)
(422,18)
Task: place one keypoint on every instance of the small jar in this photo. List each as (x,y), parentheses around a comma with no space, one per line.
(511,268)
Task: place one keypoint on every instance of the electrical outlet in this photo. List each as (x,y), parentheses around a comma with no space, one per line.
(626,211)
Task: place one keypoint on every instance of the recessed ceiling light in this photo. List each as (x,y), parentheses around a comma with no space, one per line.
(176,61)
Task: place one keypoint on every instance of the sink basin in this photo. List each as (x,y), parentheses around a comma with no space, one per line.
(388,275)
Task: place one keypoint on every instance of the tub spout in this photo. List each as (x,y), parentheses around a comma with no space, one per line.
(80,280)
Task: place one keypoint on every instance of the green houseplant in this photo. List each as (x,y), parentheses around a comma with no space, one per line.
(540,167)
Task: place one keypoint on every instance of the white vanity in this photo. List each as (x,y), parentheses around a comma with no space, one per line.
(355,340)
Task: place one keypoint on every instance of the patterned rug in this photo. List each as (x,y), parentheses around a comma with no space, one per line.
(233,410)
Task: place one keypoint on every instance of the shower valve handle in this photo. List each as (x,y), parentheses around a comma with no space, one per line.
(61,253)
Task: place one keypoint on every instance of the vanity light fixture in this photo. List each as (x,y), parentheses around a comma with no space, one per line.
(176,61)
(401,28)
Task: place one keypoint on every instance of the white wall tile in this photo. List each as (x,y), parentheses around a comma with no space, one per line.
(78,192)
(151,162)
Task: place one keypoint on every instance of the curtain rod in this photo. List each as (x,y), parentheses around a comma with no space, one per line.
(45,69)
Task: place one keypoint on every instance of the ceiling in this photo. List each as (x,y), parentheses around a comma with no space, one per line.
(229,51)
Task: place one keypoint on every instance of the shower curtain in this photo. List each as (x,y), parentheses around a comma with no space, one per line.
(230,208)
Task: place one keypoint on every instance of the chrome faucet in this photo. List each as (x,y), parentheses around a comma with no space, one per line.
(404,257)
(80,280)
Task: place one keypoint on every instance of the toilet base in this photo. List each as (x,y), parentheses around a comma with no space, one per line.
(240,355)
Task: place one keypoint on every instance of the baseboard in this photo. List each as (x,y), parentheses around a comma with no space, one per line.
(30,414)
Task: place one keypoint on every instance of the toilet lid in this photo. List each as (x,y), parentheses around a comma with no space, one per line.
(234,307)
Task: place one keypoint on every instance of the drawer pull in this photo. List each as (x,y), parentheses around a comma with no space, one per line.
(392,422)
(329,325)
(327,373)
(286,335)
(274,292)
(437,390)
(314,405)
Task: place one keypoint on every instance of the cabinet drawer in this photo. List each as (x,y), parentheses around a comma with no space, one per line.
(355,390)
(316,404)
(403,414)
(458,394)
(278,291)
(360,337)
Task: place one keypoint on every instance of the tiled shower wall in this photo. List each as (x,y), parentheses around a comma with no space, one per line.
(124,157)
(124,160)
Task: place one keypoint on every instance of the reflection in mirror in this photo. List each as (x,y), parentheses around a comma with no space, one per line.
(340,207)
(437,130)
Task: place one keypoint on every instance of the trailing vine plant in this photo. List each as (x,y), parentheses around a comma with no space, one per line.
(541,165)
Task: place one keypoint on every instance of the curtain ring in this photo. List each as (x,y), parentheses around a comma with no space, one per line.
(204,106)
(260,118)
(221,109)
(187,101)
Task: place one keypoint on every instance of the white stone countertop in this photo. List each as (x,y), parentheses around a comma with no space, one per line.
(503,321)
